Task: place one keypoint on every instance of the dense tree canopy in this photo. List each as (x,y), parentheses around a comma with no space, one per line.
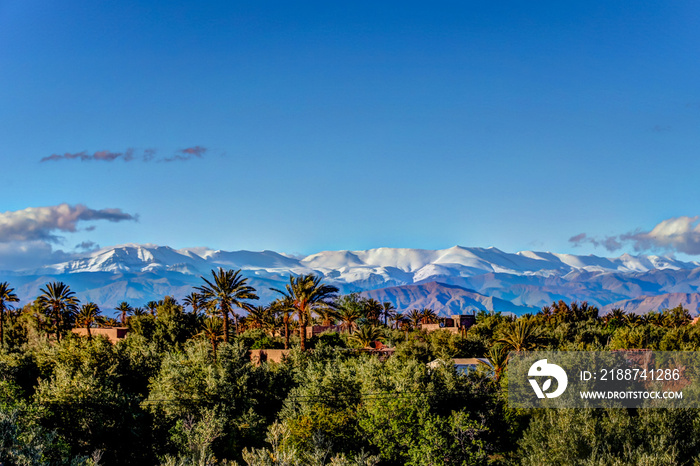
(174,392)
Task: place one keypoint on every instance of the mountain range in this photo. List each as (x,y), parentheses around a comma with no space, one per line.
(453,280)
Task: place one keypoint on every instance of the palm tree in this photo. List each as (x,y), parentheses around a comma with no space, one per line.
(284,307)
(546,312)
(428,316)
(213,331)
(415,317)
(194,300)
(138,312)
(260,317)
(351,308)
(367,334)
(87,316)
(677,317)
(616,314)
(60,303)
(633,320)
(328,315)
(308,295)
(168,301)
(658,319)
(498,359)
(388,311)
(373,310)
(562,312)
(228,290)
(7,295)
(399,318)
(106,322)
(124,310)
(521,335)
(152,306)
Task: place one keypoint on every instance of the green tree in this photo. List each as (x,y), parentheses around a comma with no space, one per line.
(212,330)
(633,320)
(87,316)
(152,306)
(388,311)
(611,436)
(677,317)
(562,312)
(229,289)
(261,317)
(428,316)
(373,310)
(328,315)
(91,412)
(616,314)
(521,335)
(399,319)
(22,442)
(284,307)
(366,335)
(193,300)
(307,294)
(7,295)
(498,360)
(107,322)
(124,310)
(60,303)
(449,441)
(351,308)
(415,317)
(241,395)
(324,404)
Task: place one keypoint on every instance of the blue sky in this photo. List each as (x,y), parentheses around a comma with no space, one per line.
(350,125)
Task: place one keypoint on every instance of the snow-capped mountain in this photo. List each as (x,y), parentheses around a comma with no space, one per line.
(424,263)
(526,280)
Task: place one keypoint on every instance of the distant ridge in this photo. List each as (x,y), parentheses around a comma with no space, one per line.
(449,299)
(442,279)
(644,304)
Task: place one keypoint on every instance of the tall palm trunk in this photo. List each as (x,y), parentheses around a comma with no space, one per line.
(227,290)
(225,316)
(286,331)
(302,333)
(2,327)
(56,314)
(213,347)
(306,295)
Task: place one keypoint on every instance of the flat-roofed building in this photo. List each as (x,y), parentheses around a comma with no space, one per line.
(455,324)
(113,334)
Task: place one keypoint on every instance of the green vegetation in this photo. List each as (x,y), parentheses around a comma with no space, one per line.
(180,390)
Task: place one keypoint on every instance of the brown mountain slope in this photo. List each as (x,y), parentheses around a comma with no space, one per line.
(644,304)
(443,299)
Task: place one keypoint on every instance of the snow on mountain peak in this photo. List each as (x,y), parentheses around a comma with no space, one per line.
(397,264)
(528,278)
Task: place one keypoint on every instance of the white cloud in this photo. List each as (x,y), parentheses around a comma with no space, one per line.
(680,234)
(41,223)
(17,255)
(677,234)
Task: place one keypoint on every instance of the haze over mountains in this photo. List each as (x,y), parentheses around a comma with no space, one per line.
(452,280)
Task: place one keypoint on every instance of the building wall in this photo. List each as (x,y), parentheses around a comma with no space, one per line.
(258,356)
(455,324)
(319,329)
(433,327)
(113,334)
